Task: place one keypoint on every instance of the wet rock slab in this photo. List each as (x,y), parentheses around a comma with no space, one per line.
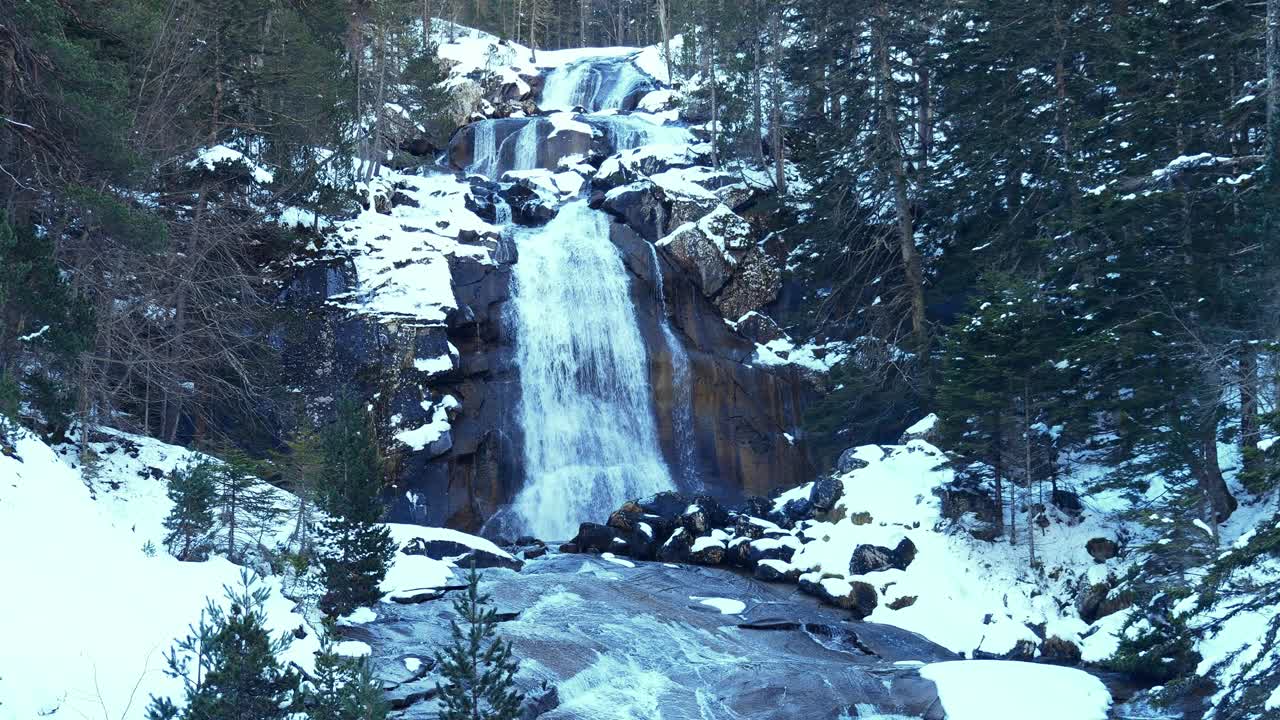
(621,642)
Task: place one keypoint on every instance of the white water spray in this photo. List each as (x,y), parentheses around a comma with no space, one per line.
(590,436)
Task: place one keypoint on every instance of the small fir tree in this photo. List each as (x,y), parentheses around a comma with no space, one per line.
(355,549)
(245,503)
(230,665)
(344,687)
(190,522)
(477,665)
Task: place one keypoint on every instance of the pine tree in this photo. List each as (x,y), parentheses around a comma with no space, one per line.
(230,665)
(247,506)
(343,687)
(190,521)
(355,548)
(301,470)
(477,666)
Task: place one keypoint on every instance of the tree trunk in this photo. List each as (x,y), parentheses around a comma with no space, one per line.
(1209,476)
(891,143)
(757,107)
(1249,430)
(666,38)
(1273,92)
(775,92)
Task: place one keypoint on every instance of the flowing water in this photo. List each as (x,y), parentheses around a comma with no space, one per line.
(593,84)
(518,149)
(590,436)
(681,386)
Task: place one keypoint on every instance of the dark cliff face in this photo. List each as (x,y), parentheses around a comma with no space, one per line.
(740,411)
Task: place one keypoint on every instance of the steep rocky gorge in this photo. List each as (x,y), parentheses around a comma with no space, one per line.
(444,376)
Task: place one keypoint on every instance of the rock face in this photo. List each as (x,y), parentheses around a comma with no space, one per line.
(596,630)
(741,413)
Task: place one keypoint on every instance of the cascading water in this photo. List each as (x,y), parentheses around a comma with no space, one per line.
(627,132)
(592,84)
(681,385)
(521,144)
(485,161)
(590,436)
(526,150)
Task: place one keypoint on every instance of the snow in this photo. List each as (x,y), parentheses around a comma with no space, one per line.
(435,365)
(402,259)
(705,543)
(617,560)
(811,356)
(210,158)
(359,616)
(421,437)
(968,594)
(726,606)
(87,614)
(996,690)
(352,648)
(922,427)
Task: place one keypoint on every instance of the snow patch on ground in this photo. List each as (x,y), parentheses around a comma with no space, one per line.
(995,690)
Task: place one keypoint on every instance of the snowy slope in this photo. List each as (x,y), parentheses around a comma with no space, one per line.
(969,595)
(86,614)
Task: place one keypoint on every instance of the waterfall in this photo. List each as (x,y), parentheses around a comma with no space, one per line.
(590,435)
(485,159)
(526,151)
(628,132)
(681,385)
(571,86)
(488,155)
(580,84)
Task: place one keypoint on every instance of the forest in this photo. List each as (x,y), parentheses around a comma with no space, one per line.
(1053,224)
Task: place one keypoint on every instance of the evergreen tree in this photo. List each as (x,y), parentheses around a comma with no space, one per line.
(343,687)
(355,548)
(247,506)
(477,666)
(190,521)
(230,665)
(301,470)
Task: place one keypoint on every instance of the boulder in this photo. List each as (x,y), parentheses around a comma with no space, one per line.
(1068,502)
(756,506)
(874,558)
(969,505)
(703,255)
(676,549)
(825,494)
(776,571)
(1100,600)
(770,549)
(707,551)
(857,597)
(1102,549)
(1059,651)
(527,206)
(926,429)
(595,538)
(638,206)
(703,514)
(759,328)
(849,461)
(540,702)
